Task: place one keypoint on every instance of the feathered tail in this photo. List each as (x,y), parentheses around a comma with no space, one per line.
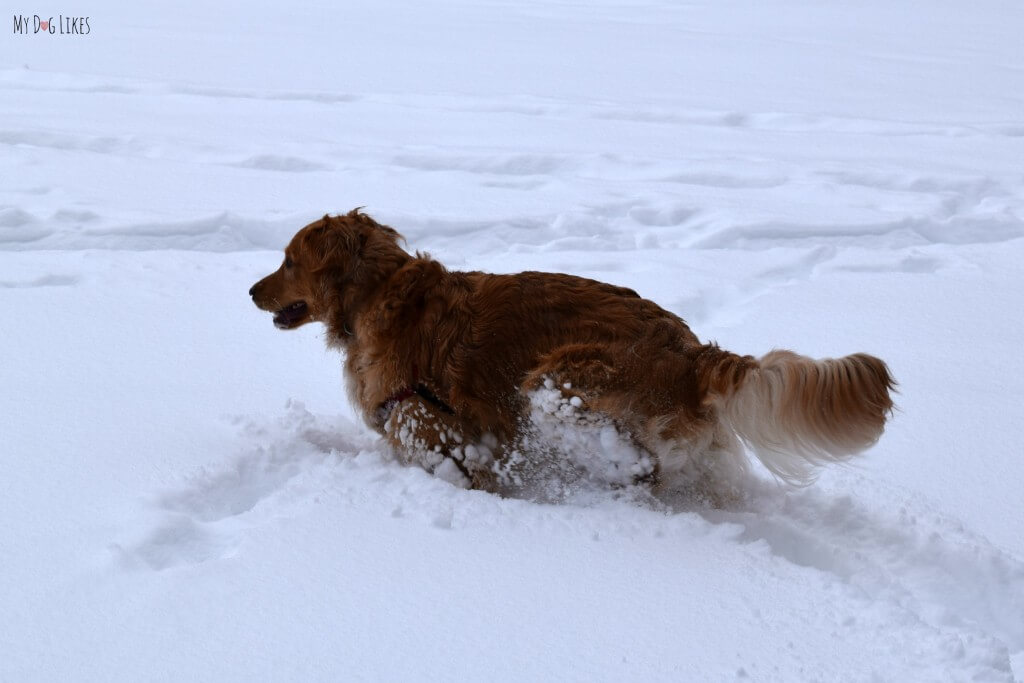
(795,412)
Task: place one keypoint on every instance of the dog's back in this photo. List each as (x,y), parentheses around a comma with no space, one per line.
(476,337)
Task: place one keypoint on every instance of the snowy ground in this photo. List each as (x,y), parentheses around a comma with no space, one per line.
(185,495)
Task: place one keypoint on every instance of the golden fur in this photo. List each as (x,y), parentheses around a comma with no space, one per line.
(443,364)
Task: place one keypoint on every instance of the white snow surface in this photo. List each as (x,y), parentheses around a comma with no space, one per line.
(185,494)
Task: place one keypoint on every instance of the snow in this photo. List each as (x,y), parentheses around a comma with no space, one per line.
(568,446)
(186,494)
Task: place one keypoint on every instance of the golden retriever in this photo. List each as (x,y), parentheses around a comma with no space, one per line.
(457,369)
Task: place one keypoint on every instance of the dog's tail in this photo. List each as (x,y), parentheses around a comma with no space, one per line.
(795,412)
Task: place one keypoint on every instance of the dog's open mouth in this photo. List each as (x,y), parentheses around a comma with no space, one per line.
(290,315)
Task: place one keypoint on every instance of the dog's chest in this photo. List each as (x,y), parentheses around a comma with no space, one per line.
(369,380)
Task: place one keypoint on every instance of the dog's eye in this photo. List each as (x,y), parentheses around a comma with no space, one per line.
(287,262)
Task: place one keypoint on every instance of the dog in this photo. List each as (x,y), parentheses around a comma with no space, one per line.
(456,370)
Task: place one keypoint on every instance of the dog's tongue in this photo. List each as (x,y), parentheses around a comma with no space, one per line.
(288,315)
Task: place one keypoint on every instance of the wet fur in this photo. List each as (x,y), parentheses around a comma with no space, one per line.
(476,344)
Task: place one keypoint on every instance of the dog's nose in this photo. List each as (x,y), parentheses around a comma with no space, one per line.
(252,290)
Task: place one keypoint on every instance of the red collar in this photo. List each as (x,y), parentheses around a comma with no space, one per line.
(398,397)
(410,390)
(405,392)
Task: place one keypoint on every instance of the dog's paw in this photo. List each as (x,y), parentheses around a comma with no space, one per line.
(449,470)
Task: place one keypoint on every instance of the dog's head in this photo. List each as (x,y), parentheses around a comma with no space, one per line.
(328,267)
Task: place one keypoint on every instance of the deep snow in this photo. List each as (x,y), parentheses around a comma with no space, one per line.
(186,495)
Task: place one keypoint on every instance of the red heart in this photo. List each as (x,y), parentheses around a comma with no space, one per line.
(45,25)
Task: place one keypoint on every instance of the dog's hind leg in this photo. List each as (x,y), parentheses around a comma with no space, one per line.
(631,383)
(583,407)
(651,394)
(423,435)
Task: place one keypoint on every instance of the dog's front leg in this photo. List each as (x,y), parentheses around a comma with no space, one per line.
(425,436)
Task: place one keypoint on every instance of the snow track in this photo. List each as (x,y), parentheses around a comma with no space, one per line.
(872,561)
(831,179)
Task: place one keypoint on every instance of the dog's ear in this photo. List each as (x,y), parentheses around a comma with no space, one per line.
(370,228)
(332,244)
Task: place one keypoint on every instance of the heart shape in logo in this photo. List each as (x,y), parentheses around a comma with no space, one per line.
(45,25)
